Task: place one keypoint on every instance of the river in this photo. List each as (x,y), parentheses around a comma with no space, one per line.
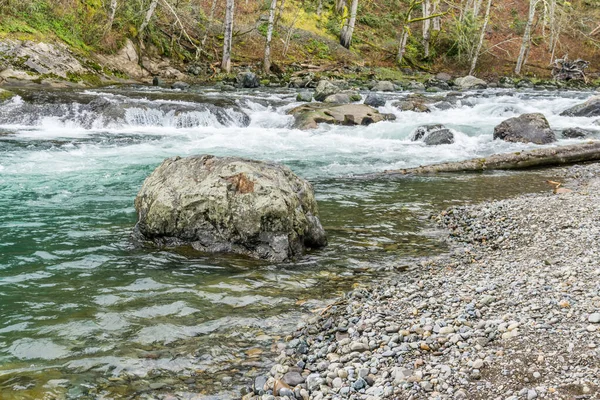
(85,314)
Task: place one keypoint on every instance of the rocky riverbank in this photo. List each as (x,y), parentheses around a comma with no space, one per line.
(511,312)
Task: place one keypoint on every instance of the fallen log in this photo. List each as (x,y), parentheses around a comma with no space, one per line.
(544,157)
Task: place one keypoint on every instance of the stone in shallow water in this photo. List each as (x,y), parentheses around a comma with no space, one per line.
(229,205)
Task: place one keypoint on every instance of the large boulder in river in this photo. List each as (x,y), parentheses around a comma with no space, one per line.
(325,89)
(591,108)
(309,116)
(229,205)
(470,82)
(526,128)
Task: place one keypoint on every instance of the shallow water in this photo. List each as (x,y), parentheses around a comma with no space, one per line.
(84,313)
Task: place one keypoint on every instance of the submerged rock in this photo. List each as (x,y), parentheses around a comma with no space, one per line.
(229,205)
(309,116)
(591,108)
(526,128)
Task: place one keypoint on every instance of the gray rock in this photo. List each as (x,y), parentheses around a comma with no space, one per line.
(293,378)
(228,205)
(325,89)
(358,384)
(247,80)
(442,76)
(594,318)
(526,128)
(424,130)
(531,394)
(358,346)
(436,83)
(383,86)
(338,98)
(591,108)
(470,82)
(313,381)
(180,85)
(375,100)
(438,137)
(576,133)
(309,116)
(304,96)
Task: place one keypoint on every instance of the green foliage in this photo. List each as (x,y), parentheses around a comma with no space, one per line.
(318,49)
(370,20)
(461,40)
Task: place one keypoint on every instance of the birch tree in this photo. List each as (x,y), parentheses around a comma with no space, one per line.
(267,60)
(526,43)
(348,30)
(227,36)
(211,17)
(111,15)
(426,5)
(486,19)
(147,18)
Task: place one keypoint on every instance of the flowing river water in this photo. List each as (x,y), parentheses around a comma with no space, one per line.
(85,314)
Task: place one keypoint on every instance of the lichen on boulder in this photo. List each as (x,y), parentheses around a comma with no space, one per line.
(229,205)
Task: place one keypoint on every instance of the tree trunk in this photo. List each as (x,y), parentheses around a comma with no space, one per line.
(320,8)
(403,41)
(227,36)
(426,26)
(267,60)
(437,20)
(346,36)
(545,157)
(147,18)
(111,15)
(486,19)
(211,17)
(526,37)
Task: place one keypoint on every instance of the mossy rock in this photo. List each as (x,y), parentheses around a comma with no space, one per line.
(5,95)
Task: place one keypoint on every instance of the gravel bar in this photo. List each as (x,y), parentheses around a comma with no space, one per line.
(511,312)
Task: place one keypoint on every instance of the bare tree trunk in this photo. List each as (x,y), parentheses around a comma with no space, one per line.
(227,36)
(111,15)
(346,36)
(437,20)
(211,18)
(476,7)
(486,19)
(526,37)
(426,25)
(403,41)
(147,18)
(267,60)
(544,157)
(320,8)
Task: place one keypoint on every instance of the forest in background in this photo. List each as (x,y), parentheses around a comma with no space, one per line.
(504,37)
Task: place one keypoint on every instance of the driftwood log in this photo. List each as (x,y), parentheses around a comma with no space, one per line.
(547,156)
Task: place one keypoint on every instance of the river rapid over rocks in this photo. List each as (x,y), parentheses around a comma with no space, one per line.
(85,314)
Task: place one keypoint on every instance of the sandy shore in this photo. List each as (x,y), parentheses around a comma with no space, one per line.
(511,312)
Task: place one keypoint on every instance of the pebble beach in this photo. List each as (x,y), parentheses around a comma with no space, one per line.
(511,312)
